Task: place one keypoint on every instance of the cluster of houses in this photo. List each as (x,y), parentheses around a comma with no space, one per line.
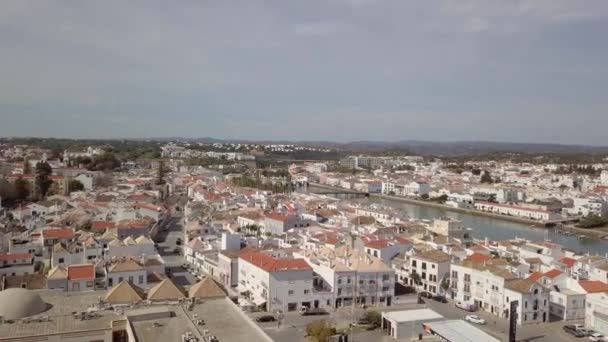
(535,192)
(280,252)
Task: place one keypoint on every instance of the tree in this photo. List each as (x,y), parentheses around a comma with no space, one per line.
(445,284)
(416,278)
(43,180)
(160,173)
(320,331)
(7,192)
(374,318)
(26,166)
(486,177)
(592,221)
(75,185)
(22,191)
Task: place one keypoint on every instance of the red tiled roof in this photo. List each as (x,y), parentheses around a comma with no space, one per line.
(535,276)
(270,264)
(402,240)
(64,233)
(15,256)
(593,286)
(552,274)
(103,225)
(81,272)
(478,258)
(377,244)
(278,217)
(568,261)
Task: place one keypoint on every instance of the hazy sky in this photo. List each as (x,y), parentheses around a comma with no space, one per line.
(504,70)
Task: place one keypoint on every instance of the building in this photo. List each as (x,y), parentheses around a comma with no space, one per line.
(278,224)
(518,211)
(345,276)
(533,301)
(457,331)
(430,266)
(275,283)
(596,312)
(16,264)
(408,324)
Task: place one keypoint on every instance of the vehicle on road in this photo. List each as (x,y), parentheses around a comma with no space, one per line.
(571,329)
(474,319)
(465,306)
(597,337)
(306,311)
(265,318)
(426,295)
(440,299)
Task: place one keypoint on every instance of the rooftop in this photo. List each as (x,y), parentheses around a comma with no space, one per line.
(459,331)
(412,315)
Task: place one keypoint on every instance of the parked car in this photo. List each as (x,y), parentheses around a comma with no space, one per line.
(305,311)
(474,319)
(426,294)
(571,329)
(465,306)
(440,299)
(597,337)
(265,318)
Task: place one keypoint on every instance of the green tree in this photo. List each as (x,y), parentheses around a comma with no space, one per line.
(22,191)
(26,166)
(43,178)
(445,284)
(486,177)
(160,173)
(416,279)
(320,331)
(374,318)
(592,221)
(75,185)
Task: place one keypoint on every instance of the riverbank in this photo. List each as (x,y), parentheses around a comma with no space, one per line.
(437,205)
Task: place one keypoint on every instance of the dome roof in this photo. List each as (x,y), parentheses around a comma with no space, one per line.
(19,303)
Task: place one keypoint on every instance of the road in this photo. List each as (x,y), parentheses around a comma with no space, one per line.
(293,327)
(166,244)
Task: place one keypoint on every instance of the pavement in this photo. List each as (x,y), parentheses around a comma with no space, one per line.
(293,325)
(167,242)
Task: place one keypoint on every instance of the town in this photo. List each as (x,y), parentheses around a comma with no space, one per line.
(169,241)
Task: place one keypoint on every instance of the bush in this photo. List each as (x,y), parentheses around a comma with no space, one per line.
(592,221)
(374,318)
(320,331)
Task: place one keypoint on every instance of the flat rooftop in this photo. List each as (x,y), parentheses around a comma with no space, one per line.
(60,318)
(412,315)
(459,331)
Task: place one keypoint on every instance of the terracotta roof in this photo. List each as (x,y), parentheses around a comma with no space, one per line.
(593,286)
(102,225)
(15,256)
(81,272)
(166,290)
(377,244)
(270,264)
(127,265)
(520,285)
(433,255)
(124,293)
(535,276)
(206,288)
(553,274)
(478,258)
(64,233)
(568,261)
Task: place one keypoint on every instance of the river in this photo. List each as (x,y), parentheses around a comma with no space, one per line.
(495,229)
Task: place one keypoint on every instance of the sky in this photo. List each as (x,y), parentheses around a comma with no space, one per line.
(340,70)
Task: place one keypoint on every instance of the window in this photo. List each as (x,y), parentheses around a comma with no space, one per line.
(89,284)
(413,263)
(120,279)
(424,265)
(385,277)
(339,292)
(141,279)
(454,274)
(130,279)
(467,277)
(306,291)
(290,292)
(385,288)
(433,266)
(61,261)
(110,281)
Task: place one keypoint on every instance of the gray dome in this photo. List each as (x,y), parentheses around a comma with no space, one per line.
(19,303)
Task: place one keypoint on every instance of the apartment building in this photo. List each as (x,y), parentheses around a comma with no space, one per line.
(16,264)
(481,281)
(596,312)
(518,211)
(345,276)
(430,266)
(275,283)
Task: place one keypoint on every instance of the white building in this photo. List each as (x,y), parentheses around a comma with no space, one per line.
(275,283)
(431,267)
(532,298)
(513,210)
(596,312)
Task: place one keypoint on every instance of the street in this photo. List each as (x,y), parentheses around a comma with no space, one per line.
(293,326)
(167,243)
